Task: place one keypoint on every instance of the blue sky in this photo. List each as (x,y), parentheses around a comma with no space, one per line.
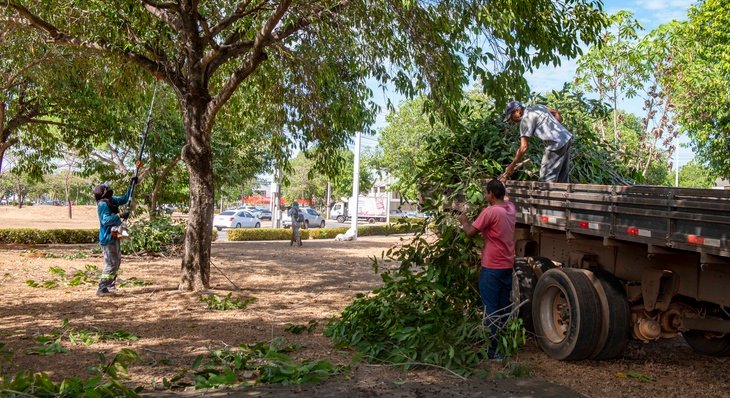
(650,13)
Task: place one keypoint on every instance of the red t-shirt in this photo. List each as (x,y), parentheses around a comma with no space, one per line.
(497,225)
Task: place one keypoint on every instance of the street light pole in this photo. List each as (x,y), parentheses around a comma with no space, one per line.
(676,162)
(355,188)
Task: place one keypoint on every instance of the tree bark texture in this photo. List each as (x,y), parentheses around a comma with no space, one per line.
(198,156)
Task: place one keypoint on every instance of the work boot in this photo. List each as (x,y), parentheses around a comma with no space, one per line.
(113,285)
(105,286)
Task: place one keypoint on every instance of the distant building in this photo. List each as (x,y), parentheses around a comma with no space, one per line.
(722,183)
(380,188)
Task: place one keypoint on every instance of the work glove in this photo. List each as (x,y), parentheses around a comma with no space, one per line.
(124,215)
(134,180)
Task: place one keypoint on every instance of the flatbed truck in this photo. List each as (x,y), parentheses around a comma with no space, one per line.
(598,265)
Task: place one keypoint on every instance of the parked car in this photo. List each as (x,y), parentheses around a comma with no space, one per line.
(248,208)
(52,203)
(311,218)
(263,214)
(235,219)
(166,208)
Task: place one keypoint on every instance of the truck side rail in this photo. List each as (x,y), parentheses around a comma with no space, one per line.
(688,219)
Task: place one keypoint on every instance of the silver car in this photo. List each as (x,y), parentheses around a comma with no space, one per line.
(311,218)
(235,219)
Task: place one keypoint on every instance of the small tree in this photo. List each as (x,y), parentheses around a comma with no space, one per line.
(626,65)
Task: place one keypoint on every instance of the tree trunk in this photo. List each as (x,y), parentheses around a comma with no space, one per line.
(158,184)
(4,146)
(67,191)
(19,193)
(197,154)
(615,117)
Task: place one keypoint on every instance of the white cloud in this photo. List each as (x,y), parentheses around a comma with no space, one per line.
(652,13)
(665,4)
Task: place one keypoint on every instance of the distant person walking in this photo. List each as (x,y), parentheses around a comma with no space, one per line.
(545,124)
(107,207)
(496,223)
(295,214)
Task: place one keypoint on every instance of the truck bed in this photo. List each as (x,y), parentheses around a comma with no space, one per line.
(688,219)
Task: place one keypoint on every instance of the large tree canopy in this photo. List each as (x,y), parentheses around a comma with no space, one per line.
(700,79)
(304,64)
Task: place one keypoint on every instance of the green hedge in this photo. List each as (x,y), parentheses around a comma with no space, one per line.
(244,234)
(75,236)
(326,233)
(241,234)
(38,236)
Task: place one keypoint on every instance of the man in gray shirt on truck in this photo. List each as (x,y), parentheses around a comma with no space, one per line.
(540,121)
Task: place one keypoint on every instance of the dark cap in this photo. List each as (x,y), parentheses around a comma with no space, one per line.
(101,190)
(509,109)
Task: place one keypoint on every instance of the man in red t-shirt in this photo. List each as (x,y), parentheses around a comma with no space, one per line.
(497,226)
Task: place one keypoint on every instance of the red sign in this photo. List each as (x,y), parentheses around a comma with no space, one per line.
(265,200)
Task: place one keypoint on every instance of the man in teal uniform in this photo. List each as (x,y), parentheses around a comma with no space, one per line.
(109,219)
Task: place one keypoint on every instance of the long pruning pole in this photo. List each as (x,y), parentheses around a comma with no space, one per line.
(138,163)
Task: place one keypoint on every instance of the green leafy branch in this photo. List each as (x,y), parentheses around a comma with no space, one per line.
(6,357)
(511,337)
(215,302)
(252,364)
(299,329)
(51,343)
(88,276)
(106,382)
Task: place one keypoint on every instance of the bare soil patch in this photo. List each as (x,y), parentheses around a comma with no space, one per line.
(48,217)
(291,285)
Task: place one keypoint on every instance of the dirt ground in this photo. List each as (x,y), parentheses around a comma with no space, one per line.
(291,285)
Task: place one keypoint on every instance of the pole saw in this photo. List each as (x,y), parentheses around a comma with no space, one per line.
(121,231)
(138,163)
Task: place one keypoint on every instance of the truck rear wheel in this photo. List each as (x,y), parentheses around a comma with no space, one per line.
(566,314)
(340,219)
(615,312)
(371,220)
(524,280)
(708,343)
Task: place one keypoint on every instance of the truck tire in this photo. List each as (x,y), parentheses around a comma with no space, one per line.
(566,314)
(340,219)
(705,343)
(524,280)
(371,220)
(615,313)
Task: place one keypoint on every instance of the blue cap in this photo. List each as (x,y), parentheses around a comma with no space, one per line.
(510,108)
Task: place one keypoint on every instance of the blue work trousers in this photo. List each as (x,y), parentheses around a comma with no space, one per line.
(495,286)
